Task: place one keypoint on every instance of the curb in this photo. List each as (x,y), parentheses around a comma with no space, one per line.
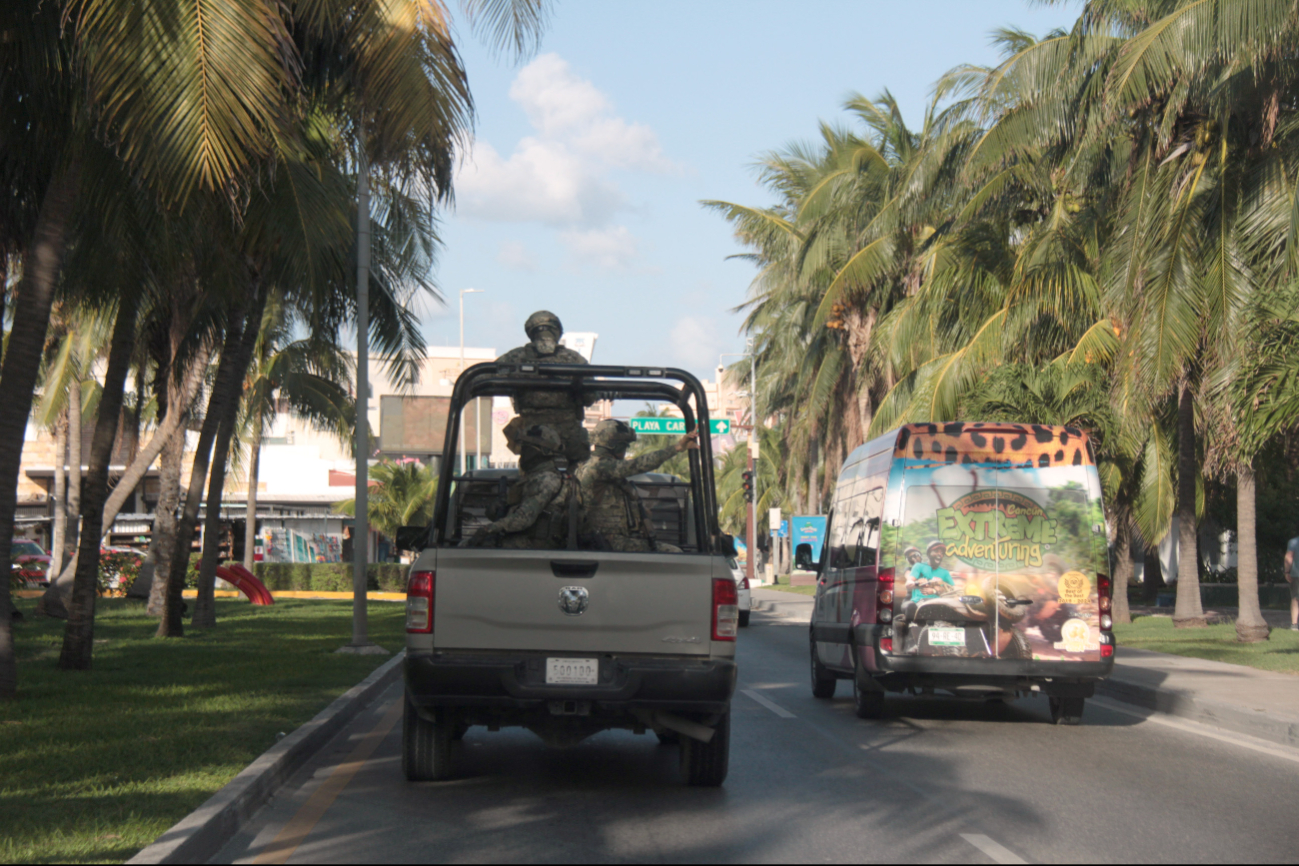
(1282,730)
(202,833)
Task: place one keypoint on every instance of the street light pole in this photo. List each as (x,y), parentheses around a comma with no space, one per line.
(361,524)
(751,559)
(461,448)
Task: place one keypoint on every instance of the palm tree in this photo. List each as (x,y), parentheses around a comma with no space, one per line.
(401,494)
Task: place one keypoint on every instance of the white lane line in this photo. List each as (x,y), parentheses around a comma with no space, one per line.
(998,853)
(1243,740)
(771,705)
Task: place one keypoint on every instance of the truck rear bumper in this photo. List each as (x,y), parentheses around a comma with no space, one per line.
(516,681)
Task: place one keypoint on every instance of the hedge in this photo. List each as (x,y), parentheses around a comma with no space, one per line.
(328,576)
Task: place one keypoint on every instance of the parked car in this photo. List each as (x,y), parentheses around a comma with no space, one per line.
(569,642)
(31,563)
(742,591)
(969,558)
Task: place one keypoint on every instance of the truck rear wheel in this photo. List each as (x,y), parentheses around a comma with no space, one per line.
(1067,711)
(705,764)
(823,681)
(744,619)
(425,746)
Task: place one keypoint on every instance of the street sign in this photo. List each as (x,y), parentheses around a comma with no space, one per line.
(784,529)
(677,426)
(773,518)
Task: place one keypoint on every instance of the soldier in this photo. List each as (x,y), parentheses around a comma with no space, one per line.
(613,507)
(560,410)
(540,519)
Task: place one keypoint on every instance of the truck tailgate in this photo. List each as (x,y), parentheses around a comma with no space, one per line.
(634,602)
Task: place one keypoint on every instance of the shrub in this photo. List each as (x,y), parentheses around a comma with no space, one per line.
(328,576)
(117,571)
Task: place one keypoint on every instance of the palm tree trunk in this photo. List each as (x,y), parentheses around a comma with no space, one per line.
(1188,613)
(72,536)
(32,300)
(205,604)
(78,636)
(1122,574)
(1250,625)
(164,520)
(60,496)
(254,470)
(171,625)
(235,355)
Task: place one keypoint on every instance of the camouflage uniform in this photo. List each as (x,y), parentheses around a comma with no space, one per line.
(613,508)
(539,520)
(556,409)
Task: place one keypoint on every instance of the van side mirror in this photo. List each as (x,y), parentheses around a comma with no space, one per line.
(413,538)
(727,545)
(803,558)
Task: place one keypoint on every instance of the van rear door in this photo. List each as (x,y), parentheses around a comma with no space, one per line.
(998,558)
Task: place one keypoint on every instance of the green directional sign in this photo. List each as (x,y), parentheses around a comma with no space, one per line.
(677,426)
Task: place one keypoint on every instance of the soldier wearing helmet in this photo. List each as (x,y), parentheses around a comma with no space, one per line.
(540,519)
(559,410)
(613,507)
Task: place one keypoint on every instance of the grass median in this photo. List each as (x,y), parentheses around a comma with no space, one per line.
(95,765)
(1216,643)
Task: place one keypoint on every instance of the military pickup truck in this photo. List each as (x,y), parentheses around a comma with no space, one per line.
(569,642)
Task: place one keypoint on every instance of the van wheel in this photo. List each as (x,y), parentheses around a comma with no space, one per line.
(1066,711)
(425,746)
(705,764)
(867,704)
(823,682)
(744,619)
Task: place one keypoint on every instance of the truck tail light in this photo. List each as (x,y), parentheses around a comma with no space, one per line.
(1104,601)
(744,583)
(419,602)
(726,609)
(884,596)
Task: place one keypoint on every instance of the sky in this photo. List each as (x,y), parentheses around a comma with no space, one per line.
(580,193)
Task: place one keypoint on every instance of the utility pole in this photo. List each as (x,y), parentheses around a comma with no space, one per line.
(361,525)
(750,564)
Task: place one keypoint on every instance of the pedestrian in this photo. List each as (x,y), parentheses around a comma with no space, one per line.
(1292,575)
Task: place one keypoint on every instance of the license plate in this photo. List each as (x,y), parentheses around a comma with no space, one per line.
(947,637)
(572,672)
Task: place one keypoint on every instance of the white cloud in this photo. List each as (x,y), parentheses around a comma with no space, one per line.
(516,257)
(695,342)
(611,249)
(560,175)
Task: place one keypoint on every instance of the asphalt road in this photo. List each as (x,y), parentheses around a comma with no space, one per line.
(936,781)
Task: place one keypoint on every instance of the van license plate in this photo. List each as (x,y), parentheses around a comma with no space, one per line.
(572,672)
(947,637)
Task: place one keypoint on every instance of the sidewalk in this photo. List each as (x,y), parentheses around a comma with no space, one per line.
(1243,700)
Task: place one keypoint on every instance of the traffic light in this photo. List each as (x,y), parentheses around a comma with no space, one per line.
(748,486)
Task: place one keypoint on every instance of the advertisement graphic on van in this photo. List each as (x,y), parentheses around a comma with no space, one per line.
(998,548)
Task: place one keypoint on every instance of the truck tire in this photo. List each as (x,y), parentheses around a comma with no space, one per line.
(823,681)
(705,764)
(1066,711)
(744,619)
(425,746)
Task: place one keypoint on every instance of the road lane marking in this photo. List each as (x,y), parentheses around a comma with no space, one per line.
(771,705)
(1243,740)
(297,829)
(998,853)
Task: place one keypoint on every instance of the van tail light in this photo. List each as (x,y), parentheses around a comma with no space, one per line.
(1107,650)
(884,598)
(886,644)
(726,609)
(419,602)
(1104,601)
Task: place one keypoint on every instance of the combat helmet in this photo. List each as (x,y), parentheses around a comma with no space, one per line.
(613,434)
(540,436)
(541,319)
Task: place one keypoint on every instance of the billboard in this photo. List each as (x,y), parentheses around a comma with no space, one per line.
(417,424)
(808,529)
